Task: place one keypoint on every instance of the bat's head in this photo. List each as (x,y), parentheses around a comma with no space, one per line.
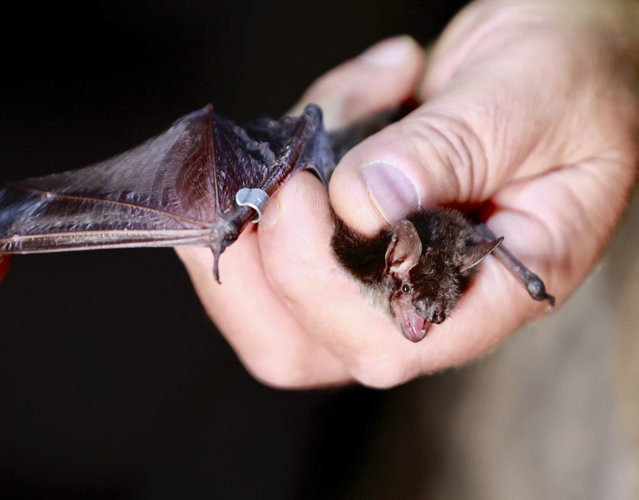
(427,277)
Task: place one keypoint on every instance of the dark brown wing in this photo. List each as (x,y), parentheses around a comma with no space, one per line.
(157,193)
(175,189)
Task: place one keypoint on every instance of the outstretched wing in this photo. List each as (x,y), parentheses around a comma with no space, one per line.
(159,192)
(175,189)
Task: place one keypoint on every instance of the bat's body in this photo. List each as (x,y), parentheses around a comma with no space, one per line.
(416,270)
(202,181)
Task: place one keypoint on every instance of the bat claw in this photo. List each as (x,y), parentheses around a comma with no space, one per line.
(537,290)
(217,250)
(551,300)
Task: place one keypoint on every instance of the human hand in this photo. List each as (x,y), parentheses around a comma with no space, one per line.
(529,109)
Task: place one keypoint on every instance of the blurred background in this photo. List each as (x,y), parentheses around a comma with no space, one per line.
(114,383)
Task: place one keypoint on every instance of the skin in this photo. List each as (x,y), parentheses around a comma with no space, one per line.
(530,107)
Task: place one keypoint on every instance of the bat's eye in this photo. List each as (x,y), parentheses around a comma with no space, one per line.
(405,288)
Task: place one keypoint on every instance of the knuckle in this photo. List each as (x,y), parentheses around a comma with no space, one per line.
(290,285)
(329,83)
(453,144)
(281,368)
(382,372)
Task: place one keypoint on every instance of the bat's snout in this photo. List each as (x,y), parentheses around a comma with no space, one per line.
(414,327)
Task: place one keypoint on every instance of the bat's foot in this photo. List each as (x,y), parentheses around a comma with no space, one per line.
(537,289)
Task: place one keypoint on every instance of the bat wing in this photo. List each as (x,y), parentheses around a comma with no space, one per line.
(178,188)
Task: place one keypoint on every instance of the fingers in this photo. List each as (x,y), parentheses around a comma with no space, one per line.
(293,316)
(499,126)
(295,248)
(497,112)
(575,210)
(499,129)
(381,77)
(454,148)
(255,321)
(330,308)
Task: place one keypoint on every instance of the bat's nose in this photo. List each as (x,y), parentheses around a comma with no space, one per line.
(435,315)
(431,312)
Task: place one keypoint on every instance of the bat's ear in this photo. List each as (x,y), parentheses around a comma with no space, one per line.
(404,250)
(476,253)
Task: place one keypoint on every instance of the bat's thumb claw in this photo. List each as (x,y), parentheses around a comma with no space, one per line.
(216,264)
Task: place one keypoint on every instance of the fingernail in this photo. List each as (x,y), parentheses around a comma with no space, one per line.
(389,52)
(393,193)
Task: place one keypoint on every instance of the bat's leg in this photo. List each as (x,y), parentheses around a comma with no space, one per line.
(530,280)
(227,230)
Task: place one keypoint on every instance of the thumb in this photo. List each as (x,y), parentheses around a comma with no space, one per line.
(385,74)
(480,131)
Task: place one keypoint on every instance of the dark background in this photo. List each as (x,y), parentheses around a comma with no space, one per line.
(113,382)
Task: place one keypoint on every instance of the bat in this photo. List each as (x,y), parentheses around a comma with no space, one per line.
(205,179)
(416,270)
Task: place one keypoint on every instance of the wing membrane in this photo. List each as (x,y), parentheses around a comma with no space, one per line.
(174,189)
(137,198)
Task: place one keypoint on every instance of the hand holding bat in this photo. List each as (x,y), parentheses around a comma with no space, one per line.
(200,182)
(530,129)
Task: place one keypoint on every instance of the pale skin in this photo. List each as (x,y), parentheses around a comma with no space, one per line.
(531,106)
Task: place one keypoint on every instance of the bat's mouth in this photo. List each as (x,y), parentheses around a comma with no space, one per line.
(414,327)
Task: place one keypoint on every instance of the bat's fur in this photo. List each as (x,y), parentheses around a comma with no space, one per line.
(438,279)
